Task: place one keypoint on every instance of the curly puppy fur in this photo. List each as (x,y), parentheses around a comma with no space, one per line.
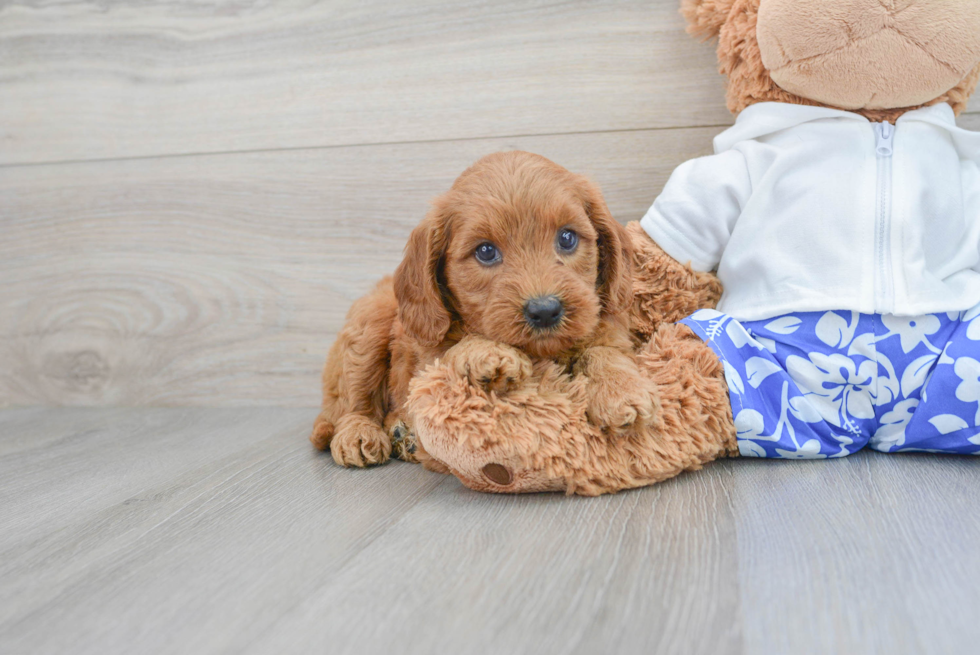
(441,293)
(537,436)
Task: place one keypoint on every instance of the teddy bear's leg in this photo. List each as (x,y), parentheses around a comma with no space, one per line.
(693,425)
(664,290)
(536,436)
(696,413)
(483,412)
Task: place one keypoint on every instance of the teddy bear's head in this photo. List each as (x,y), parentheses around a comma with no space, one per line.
(879,58)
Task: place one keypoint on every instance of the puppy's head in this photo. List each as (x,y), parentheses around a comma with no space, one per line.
(519,251)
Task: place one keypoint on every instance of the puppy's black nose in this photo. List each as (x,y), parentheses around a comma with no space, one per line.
(543,312)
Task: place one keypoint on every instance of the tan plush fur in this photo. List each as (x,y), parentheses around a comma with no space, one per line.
(442,294)
(734,22)
(663,290)
(534,435)
(869,54)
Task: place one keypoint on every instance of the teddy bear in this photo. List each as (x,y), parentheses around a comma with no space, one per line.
(809,290)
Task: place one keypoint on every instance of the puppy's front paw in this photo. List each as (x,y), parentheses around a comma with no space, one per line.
(493,366)
(616,405)
(360,442)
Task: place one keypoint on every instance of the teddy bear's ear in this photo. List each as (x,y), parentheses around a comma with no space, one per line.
(706,17)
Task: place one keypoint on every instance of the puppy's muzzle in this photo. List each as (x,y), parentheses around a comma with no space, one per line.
(543,312)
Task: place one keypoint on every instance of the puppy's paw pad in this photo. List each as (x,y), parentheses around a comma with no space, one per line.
(403,442)
(360,445)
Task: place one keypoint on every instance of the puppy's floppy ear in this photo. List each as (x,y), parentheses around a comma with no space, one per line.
(615,252)
(421,308)
(706,17)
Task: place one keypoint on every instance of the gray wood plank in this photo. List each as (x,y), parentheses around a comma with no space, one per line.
(272,548)
(167,547)
(54,464)
(220,530)
(221,279)
(89,80)
(474,573)
(871,554)
(96,80)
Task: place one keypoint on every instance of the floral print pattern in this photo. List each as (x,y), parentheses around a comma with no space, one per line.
(827,384)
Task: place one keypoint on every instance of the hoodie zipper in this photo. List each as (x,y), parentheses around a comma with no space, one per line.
(885,147)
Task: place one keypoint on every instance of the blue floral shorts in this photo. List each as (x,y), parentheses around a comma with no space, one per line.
(827,384)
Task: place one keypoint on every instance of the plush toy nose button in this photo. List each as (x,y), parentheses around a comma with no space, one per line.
(498,474)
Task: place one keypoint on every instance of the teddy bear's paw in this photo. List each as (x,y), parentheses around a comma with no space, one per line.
(493,366)
(617,408)
(360,442)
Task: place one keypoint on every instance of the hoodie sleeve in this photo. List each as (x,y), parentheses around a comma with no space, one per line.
(693,218)
(971,197)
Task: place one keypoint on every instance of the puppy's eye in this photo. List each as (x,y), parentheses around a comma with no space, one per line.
(487,254)
(567,241)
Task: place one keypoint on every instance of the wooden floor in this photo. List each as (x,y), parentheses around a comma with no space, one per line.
(221,530)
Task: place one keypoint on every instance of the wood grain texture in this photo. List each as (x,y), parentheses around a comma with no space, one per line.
(872,554)
(122,540)
(536,574)
(94,80)
(221,530)
(253,542)
(221,279)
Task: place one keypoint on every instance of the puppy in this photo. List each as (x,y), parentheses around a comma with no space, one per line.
(520,253)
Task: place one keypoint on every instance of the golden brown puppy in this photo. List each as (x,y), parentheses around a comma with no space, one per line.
(521,252)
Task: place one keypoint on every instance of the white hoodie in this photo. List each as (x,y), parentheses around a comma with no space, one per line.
(814,209)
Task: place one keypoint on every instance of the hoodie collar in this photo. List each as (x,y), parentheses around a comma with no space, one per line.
(770,117)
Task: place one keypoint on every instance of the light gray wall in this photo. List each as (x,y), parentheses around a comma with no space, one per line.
(192,193)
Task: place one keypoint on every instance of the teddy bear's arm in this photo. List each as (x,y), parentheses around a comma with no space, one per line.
(664,290)
(682,239)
